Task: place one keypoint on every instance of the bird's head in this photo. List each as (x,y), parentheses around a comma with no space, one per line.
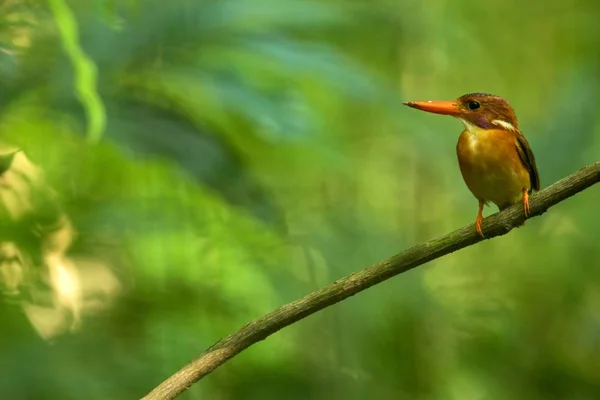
(475,110)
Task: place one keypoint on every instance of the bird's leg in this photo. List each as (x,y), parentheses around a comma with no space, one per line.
(526,202)
(479,219)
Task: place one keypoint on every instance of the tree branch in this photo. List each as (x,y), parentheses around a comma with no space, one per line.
(260,328)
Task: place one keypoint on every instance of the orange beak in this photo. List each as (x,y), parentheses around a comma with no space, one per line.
(436,107)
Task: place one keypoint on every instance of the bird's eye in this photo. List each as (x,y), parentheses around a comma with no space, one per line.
(473,105)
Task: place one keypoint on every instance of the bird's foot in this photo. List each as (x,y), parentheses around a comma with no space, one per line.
(526,202)
(479,220)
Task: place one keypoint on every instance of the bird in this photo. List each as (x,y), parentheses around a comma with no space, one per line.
(495,159)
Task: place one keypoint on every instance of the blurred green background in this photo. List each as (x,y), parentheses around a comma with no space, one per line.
(222,158)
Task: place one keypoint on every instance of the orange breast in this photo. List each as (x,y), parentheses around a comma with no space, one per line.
(491,167)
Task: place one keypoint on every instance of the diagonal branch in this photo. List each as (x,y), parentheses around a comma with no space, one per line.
(260,328)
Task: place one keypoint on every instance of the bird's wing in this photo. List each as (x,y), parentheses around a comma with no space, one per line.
(528,159)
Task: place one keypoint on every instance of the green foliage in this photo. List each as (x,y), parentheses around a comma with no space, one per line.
(255,150)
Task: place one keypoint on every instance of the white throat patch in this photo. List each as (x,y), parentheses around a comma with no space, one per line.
(473,129)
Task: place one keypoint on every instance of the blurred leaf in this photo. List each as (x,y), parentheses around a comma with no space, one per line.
(85,70)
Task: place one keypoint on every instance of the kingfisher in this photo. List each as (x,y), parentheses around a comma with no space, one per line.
(494,157)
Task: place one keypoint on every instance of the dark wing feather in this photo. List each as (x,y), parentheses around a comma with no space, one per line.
(528,159)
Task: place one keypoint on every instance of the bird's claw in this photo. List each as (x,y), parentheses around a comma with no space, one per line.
(478,223)
(479,219)
(526,202)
